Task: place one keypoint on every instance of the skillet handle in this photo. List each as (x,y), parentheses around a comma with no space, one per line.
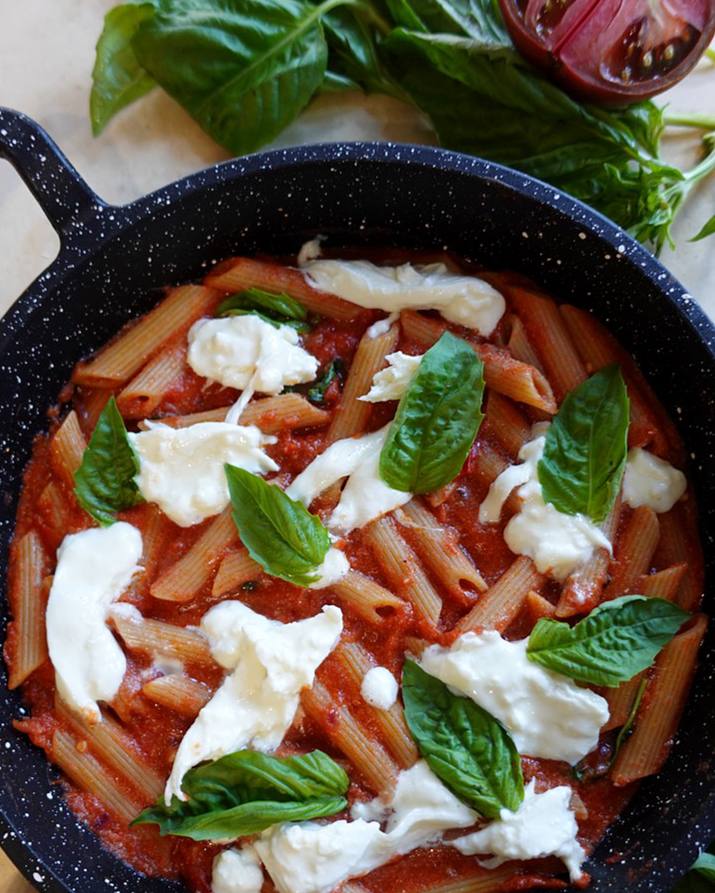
(63,195)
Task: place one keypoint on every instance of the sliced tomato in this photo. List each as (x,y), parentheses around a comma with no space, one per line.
(614,51)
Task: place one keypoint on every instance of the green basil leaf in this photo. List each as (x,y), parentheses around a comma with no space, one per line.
(614,643)
(243,71)
(247,792)
(316,394)
(701,877)
(587,446)
(437,419)
(300,327)
(463,745)
(117,78)
(104,482)
(708,229)
(279,306)
(279,532)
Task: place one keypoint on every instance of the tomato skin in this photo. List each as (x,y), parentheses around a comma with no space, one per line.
(612,51)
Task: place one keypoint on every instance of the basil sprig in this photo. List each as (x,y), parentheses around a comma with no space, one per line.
(437,419)
(279,532)
(104,483)
(273,308)
(463,745)
(586,447)
(614,643)
(316,394)
(247,792)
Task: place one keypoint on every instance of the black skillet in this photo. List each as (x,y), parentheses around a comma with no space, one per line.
(112,260)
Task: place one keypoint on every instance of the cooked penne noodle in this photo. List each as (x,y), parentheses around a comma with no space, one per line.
(620,702)
(502,372)
(679,539)
(519,345)
(365,752)
(240,273)
(54,506)
(179,693)
(663,584)
(482,881)
(505,423)
(356,661)
(125,356)
(438,497)
(149,387)
(236,569)
(439,549)
(114,747)
(634,553)
(156,532)
(90,776)
(27,598)
(488,463)
(647,748)
(402,569)
(67,448)
(185,579)
(352,414)
(93,404)
(367,598)
(500,604)
(159,639)
(550,338)
(536,607)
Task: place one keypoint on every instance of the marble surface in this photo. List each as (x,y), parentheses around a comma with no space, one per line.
(45,72)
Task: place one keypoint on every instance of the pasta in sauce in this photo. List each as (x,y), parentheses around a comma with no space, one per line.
(421,575)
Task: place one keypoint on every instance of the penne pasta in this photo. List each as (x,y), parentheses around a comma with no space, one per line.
(125,356)
(364,751)
(54,508)
(621,700)
(356,661)
(93,404)
(368,599)
(663,584)
(506,424)
(235,569)
(481,881)
(679,544)
(239,273)
(439,549)
(159,639)
(149,387)
(90,776)
(352,414)
(634,553)
(500,604)
(647,748)
(536,607)
(28,599)
(179,693)
(519,345)
(67,448)
(402,569)
(188,576)
(502,372)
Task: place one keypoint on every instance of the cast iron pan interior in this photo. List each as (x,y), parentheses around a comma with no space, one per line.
(113,259)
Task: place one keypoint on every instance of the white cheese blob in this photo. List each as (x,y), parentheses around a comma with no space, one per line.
(650,480)
(392,382)
(465,300)
(240,350)
(182,469)
(310,250)
(379,688)
(382,326)
(237,871)
(270,662)
(365,496)
(544,825)
(94,567)
(557,543)
(334,567)
(547,714)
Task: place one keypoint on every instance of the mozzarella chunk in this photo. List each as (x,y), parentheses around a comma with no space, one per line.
(547,714)
(270,662)
(94,567)
(465,300)
(392,382)
(182,469)
(557,543)
(379,688)
(238,350)
(365,496)
(544,825)
(334,567)
(237,871)
(651,481)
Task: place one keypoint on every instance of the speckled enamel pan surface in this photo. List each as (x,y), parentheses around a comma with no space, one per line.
(112,261)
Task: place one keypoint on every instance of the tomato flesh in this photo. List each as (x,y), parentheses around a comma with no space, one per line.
(612,50)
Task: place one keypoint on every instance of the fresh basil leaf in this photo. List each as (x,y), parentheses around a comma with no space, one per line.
(278,305)
(707,230)
(587,446)
(334,82)
(247,792)
(316,394)
(477,19)
(463,745)
(701,877)
(614,643)
(279,533)
(437,419)
(243,71)
(104,482)
(117,78)
(301,327)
